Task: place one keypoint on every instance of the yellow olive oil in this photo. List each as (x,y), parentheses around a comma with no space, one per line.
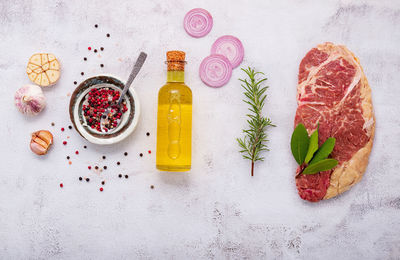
(174,118)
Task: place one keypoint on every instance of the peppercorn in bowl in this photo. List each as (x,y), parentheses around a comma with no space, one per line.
(95,113)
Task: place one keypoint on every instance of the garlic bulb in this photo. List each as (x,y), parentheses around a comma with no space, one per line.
(30,99)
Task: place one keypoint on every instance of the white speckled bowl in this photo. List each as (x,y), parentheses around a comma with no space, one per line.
(129,119)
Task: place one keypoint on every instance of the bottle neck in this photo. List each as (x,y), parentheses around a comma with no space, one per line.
(176,76)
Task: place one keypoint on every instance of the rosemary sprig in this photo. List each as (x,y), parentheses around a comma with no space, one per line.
(254,137)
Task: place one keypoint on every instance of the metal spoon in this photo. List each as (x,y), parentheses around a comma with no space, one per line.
(136,68)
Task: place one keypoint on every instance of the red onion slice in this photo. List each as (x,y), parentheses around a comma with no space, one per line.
(198,22)
(231,47)
(215,70)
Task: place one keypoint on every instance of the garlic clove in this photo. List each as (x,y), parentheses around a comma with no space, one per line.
(45,136)
(38,149)
(39,141)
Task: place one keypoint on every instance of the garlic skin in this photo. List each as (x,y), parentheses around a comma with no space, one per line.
(30,100)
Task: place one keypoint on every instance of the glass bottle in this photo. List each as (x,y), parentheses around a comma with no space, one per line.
(174,118)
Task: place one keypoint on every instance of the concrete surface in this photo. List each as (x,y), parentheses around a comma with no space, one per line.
(217,211)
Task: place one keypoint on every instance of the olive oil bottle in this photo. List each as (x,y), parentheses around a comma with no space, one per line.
(174,118)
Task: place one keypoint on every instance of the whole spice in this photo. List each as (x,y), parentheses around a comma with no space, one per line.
(41,142)
(30,100)
(97,101)
(255,137)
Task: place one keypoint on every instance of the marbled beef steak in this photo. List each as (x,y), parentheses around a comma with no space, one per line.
(334,91)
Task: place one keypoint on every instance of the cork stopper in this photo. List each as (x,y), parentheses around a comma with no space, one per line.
(176,60)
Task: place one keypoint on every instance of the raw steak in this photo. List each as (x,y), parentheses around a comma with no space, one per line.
(333,90)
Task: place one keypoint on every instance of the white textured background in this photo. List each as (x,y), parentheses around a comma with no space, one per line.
(217,211)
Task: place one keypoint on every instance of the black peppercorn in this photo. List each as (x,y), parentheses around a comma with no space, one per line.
(101,48)
(148,134)
(120,175)
(85,146)
(105,167)
(95,50)
(102,65)
(141,155)
(118,163)
(70,126)
(152,187)
(80,178)
(126,176)
(87,179)
(108,35)
(82,73)
(125,153)
(96,26)
(103,182)
(67,157)
(104,157)
(75,82)
(96,167)
(52,124)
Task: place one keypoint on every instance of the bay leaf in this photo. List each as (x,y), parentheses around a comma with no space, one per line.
(320,166)
(299,143)
(312,147)
(324,151)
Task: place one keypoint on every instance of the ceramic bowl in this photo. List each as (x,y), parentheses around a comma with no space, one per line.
(129,119)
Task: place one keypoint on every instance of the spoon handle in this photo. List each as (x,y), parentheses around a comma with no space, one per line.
(136,68)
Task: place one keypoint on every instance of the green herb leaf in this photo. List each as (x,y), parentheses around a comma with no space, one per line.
(325,150)
(255,137)
(320,166)
(299,143)
(312,147)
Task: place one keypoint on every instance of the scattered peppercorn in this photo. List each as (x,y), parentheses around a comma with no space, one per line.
(82,73)
(62,129)
(126,176)
(84,58)
(89,167)
(96,167)
(108,35)
(76,152)
(70,126)
(52,124)
(120,175)
(85,146)
(87,179)
(152,187)
(95,50)
(105,167)
(61,185)
(102,65)
(75,82)
(118,163)
(67,157)
(103,182)
(125,153)
(96,26)
(101,48)
(101,189)
(80,178)
(141,155)
(148,134)
(104,157)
